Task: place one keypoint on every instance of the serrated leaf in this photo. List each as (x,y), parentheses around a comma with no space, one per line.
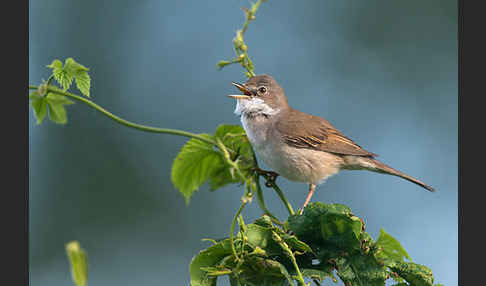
(233,137)
(390,247)
(83,82)
(79,263)
(71,70)
(358,270)
(415,274)
(73,67)
(56,64)
(341,231)
(39,105)
(57,112)
(194,164)
(209,257)
(332,225)
(64,78)
(82,79)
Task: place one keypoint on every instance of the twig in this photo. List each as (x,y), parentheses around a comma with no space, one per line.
(239,43)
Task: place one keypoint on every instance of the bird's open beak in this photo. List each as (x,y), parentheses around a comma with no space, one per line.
(246,92)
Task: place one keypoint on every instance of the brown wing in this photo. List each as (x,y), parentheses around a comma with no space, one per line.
(303,130)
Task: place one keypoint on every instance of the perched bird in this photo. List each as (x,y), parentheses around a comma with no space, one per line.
(299,146)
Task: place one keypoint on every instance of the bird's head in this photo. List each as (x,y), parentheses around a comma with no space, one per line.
(261,96)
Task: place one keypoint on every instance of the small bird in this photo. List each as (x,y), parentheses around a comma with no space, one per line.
(299,146)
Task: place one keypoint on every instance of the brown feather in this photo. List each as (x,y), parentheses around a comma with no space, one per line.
(302,130)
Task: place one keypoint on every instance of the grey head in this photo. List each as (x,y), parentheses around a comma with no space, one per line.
(261,96)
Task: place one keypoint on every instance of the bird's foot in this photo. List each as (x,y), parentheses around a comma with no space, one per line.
(270,176)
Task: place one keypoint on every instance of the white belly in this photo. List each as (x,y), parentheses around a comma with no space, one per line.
(295,164)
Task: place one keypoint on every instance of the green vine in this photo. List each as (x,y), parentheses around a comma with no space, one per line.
(241,49)
(325,240)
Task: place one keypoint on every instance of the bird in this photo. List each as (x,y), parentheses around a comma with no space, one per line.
(299,146)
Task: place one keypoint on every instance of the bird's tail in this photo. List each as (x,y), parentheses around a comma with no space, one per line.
(377,166)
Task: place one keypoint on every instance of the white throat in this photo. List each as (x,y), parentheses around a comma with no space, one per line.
(254,106)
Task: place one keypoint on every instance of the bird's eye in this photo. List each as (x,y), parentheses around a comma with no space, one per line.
(262,90)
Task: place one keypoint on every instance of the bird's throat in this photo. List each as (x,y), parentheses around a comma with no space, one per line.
(254,107)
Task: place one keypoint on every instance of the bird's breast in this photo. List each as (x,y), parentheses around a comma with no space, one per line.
(295,164)
(256,130)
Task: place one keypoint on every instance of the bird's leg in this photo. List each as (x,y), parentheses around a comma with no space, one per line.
(312,188)
(270,176)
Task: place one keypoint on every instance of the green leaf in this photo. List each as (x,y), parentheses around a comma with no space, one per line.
(233,137)
(64,78)
(209,257)
(264,221)
(341,231)
(415,274)
(55,98)
(316,274)
(329,225)
(194,165)
(64,75)
(39,105)
(79,263)
(56,103)
(56,64)
(296,244)
(221,64)
(73,67)
(255,270)
(358,269)
(222,177)
(216,271)
(83,82)
(258,236)
(57,114)
(390,247)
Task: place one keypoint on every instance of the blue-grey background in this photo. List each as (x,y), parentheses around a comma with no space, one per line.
(383,72)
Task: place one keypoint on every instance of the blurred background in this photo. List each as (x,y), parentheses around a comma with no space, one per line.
(383,72)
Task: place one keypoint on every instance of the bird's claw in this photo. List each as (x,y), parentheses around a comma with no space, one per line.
(270,176)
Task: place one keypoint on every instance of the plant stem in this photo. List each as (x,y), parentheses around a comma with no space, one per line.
(250,15)
(281,196)
(261,202)
(286,248)
(126,122)
(233,224)
(50,79)
(230,162)
(239,43)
